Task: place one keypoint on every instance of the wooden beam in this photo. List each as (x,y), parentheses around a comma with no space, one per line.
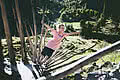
(82,62)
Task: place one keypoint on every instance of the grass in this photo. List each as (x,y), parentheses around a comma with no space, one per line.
(76,25)
(112,57)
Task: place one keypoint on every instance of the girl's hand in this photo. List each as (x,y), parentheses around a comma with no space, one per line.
(66,34)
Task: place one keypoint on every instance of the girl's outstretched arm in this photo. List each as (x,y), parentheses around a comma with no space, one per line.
(72,33)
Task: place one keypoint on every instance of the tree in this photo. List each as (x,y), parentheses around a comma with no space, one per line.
(9,42)
(20,27)
(72,10)
(7,33)
(1,53)
(1,58)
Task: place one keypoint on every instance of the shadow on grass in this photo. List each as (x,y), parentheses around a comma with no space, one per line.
(101,36)
(5,76)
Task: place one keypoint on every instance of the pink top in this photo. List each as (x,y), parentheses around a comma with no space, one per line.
(56,41)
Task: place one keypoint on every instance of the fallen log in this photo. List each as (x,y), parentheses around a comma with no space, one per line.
(82,62)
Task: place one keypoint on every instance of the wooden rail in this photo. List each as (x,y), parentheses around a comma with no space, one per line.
(82,62)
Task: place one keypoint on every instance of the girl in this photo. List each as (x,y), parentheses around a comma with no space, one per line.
(58,36)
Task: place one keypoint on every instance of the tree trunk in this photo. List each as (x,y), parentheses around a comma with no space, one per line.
(1,53)
(35,34)
(1,57)
(3,75)
(15,74)
(24,55)
(7,33)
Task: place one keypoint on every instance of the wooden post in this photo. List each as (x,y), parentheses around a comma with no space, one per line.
(35,33)
(1,57)
(7,33)
(20,26)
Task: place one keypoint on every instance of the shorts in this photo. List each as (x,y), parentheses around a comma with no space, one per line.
(47,52)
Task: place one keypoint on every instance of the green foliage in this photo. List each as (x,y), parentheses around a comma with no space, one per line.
(70,10)
(51,8)
(78,14)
